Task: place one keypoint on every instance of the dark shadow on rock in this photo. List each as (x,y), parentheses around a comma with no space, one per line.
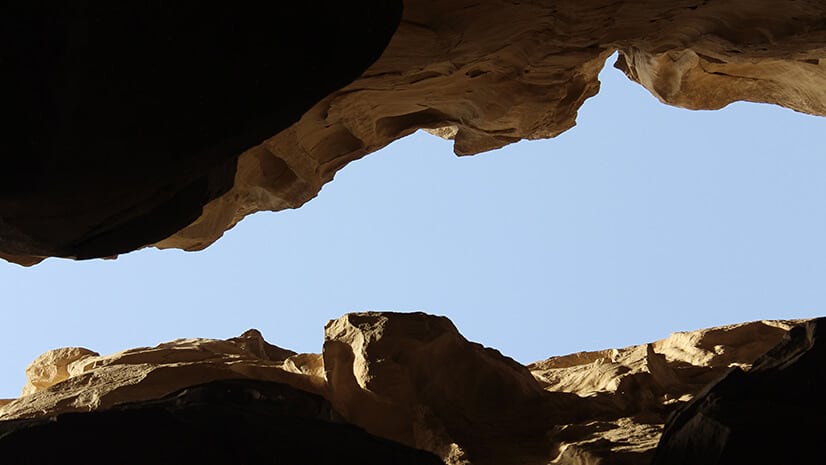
(223,422)
(770,414)
(121,120)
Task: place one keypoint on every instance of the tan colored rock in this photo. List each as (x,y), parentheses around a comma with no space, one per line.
(634,389)
(306,364)
(99,382)
(53,367)
(415,379)
(487,74)
(769,413)
(484,74)
(670,365)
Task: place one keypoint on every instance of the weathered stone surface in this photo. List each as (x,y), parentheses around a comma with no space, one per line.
(166,170)
(633,390)
(487,74)
(413,379)
(120,121)
(769,413)
(53,367)
(223,422)
(100,382)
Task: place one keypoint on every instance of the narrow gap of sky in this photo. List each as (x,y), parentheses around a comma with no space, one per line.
(642,220)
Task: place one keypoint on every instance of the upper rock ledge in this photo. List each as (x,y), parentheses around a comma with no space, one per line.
(414,379)
(483,73)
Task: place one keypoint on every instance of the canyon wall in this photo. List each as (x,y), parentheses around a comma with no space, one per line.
(136,141)
(413,380)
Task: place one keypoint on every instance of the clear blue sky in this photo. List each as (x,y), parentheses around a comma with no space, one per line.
(642,220)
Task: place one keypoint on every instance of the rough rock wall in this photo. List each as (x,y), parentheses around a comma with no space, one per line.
(487,74)
(413,379)
(121,120)
(483,73)
(222,422)
(768,414)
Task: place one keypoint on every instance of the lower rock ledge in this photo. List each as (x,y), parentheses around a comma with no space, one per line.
(408,388)
(221,422)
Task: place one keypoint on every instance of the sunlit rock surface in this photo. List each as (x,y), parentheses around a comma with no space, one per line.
(638,387)
(260,110)
(99,382)
(415,380)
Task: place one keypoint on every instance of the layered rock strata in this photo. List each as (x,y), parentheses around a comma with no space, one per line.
(91,171)
(413,379)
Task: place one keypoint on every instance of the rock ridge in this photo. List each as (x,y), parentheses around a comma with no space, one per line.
(412,378)
(358,76)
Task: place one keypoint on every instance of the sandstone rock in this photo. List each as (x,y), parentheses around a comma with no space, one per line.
(121,121)
(485,74)
(53,367)
(767,414)
(673,367)
(413,379)
(100,382)
(633,390)
(223,422)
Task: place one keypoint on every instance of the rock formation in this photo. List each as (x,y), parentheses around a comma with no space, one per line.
(131,126)
(122,120)
(414,380)
(134,124)
(223,422)
(99,382)
(771,413)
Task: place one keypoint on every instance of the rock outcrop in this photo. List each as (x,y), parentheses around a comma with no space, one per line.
(632,391)
(413,379)
(120,121)
(100,382)
(157,130)
(771,413)
(223,422)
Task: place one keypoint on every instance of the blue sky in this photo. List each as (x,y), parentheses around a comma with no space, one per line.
(642,220)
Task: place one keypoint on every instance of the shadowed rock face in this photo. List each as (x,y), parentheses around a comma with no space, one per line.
(127,126)
(223,422)
(414,379)
(769,414)
(122,120)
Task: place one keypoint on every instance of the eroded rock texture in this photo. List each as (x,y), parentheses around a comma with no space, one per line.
(121,120)
(413,379)
(125,124)
(771,413)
